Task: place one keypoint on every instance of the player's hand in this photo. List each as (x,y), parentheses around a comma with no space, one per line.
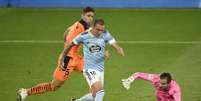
(121,51)
(107,54)
(127,82)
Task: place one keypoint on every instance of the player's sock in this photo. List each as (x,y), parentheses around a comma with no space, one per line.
(87,97)
(41,88)
(99,95)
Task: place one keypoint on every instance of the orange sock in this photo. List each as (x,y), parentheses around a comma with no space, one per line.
(41,88)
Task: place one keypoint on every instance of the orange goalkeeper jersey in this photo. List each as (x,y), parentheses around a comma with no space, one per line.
(72,32)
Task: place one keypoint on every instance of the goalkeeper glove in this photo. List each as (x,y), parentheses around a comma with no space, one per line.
(127,82)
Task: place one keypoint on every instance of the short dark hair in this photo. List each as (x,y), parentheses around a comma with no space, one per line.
(88,9)
(167,76)
(99,21)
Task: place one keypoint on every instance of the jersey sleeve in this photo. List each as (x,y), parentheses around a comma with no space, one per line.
(177,96)
(145,76)
(79,39)
(73,31)
(176,92)
(109,38)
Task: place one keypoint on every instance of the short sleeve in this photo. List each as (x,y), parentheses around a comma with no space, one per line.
(79,39)
(109,38)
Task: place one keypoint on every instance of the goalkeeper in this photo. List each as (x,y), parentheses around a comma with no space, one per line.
(166,88)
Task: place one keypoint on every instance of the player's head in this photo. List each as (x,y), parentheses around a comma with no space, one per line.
(165,79)
(98,26)
(88,14)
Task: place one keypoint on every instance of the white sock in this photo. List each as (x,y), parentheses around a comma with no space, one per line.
(99,95)
(87,97)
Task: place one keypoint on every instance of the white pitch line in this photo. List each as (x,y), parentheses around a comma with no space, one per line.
(122,42)
(160,42)
(32,41)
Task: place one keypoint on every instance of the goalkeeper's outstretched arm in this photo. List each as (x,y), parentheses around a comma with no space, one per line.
(138,75)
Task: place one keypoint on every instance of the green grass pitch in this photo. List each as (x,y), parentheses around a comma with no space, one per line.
(27,64)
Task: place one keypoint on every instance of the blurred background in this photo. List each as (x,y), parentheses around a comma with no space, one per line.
(103,3)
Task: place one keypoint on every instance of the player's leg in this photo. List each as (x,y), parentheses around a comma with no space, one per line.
(97,88)
(97,91)
(87,97)
(45,87)
(59,77)
(79,68)
(95,81)
(39,89)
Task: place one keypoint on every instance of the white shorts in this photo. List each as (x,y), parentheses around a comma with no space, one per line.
(92,76)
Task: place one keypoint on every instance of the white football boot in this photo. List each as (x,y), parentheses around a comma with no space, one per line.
(21,94)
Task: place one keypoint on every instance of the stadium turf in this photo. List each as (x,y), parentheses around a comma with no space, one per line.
(161,40)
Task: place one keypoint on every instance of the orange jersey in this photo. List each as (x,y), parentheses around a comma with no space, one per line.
(75,62)
(74,31)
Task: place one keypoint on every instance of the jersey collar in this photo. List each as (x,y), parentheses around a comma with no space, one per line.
(86,25)
(90,34)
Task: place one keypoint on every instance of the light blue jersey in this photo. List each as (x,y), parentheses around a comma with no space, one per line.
(94,49)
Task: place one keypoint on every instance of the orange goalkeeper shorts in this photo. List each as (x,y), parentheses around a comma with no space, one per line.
(75,62)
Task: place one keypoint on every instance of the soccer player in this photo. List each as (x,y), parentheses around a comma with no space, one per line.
(166,88)
(93,42)
(73,61)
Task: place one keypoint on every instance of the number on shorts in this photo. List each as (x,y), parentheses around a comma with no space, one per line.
(93,73)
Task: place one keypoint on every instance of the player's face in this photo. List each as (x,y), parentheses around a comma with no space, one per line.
(88,17)
(99,29)
(163,84)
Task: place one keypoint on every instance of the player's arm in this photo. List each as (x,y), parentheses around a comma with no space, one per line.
(111,40)
(65,34)
(107,54)
(71,33)
(177,96)
(67,48)
(138,75)
(64,53)
(176,92)
(119,50)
